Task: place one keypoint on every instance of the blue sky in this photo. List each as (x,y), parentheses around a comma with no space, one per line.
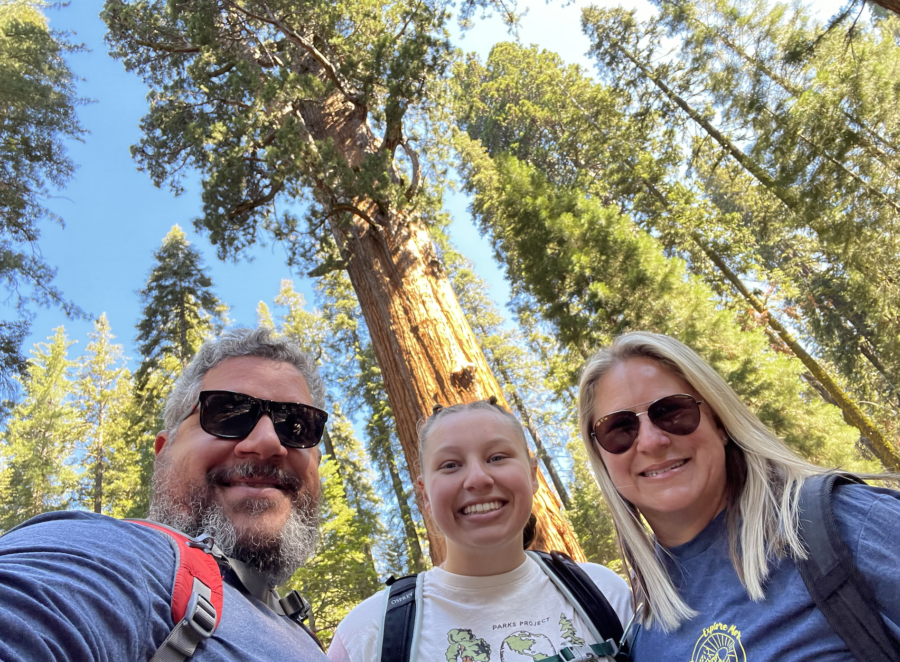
(115,218)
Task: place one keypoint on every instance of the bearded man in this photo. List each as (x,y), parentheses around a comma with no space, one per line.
(236,470)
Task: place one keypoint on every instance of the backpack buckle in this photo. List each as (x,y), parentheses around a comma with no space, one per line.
(295,606)
(578,654)
(204,541)
(594,653)
(207,543)
(200,615)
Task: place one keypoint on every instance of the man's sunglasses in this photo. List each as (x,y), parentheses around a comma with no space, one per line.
(234,415)
(675,414)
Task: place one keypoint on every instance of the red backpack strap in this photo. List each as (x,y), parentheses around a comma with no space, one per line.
(197,595)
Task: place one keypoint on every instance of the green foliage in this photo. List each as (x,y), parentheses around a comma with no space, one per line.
(790,166)
(594,274)
(558,168)
(37,95)
(108,467)
(66,445)
(342,573)
(180,310)
(36,472)
(253,96)
(589,515)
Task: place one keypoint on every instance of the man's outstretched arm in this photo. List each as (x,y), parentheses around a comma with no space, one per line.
(77,586)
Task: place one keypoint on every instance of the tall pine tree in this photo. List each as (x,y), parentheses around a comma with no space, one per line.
(562,161)
(795,162)
(37,94)
(180,310)
(109,468)
(322,102)
(38,442)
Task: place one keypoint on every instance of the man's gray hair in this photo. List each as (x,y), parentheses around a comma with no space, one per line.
(262,342)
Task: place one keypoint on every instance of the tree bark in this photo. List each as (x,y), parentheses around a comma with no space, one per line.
(542,453)
(424,346)
(422,342)
(890,5)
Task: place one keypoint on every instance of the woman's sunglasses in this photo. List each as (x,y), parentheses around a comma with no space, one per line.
(675,414)
(234,415)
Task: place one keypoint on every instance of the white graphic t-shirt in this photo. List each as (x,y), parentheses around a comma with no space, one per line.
(518,616)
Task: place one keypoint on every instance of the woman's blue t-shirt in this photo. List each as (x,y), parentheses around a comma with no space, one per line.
(786,625)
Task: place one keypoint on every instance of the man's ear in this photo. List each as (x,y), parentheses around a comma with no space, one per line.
(161,440)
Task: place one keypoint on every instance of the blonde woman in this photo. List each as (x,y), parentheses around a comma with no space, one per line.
(705,502)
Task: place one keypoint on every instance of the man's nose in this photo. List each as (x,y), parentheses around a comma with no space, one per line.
(650,438)
(262,441)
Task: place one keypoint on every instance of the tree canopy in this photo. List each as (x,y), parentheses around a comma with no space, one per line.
(727,176)
(38,105)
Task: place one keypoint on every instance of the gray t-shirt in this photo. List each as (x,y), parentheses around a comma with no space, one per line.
(76,586)
(786,625)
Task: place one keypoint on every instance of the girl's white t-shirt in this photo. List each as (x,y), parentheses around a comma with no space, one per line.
(517,616)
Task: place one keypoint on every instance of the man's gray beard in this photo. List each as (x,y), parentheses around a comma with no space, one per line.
(198,512)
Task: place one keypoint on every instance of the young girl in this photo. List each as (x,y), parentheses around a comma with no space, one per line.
(488,601)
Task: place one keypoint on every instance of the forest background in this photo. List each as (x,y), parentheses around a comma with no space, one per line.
(723,171)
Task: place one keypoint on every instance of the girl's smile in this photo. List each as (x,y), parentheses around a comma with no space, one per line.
(482,508)
(478,481)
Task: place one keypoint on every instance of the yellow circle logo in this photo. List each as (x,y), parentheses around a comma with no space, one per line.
(719,643)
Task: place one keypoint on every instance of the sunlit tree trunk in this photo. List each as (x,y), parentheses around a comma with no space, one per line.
(424,346)
(316,98)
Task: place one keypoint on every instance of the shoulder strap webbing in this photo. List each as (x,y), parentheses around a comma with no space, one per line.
(197,596)
(582,593)
(835,584)
(401,621)
(398,625)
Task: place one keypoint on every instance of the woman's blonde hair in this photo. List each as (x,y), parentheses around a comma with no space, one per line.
(763,477)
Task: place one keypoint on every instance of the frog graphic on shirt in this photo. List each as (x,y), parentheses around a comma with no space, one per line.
(520,646)
(466,647)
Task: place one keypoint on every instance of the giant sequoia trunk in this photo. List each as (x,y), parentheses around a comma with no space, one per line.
(233,96)
(425,348)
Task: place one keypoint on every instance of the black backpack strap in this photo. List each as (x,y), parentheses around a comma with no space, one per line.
(582,593)
(399,623)
(837,587)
